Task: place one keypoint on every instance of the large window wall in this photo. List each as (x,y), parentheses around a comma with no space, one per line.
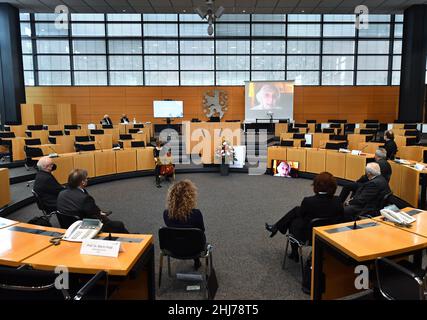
(175,49)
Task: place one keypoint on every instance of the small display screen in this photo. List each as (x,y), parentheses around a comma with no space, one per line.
(282,168)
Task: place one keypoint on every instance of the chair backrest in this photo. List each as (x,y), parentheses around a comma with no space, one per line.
(411,133)
(35,127)
(338,137)
(39,202)
(409,126)
(82,138)
(311,121)
(385,200)
(66,220)
(320,222)
(333,146)
(31,152)
(137,144)
(125,137)
(293,130)
(138,126)
(335,125)
(33,142)
(133,130)
(328,130)
(71,126)
(107,126)
(372,125)
(287,143)
(371,121)
(337,121)
(195,120)
(411,141)
(368,131)
(97,131)
(182,243)
(56,133)
(7,134)
(84,147)
(300,125)
(298,136)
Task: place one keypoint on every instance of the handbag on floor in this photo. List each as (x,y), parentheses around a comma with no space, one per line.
(41,221)
(212,284)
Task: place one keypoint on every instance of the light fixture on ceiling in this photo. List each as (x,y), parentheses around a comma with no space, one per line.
(210,14)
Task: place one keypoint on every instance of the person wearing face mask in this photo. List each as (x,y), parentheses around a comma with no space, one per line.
(76,201)
(158,162)
(45,184)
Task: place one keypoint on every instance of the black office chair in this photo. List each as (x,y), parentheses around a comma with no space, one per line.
(195,120)
(33,142)
(290,238)
(25,283)
(42,207)
(134,130)
(371,121)
(335,125)
(298,136)
(336,121)
(6,143)
(184,244)
(349,128)
(372,126)
(338,137)
(283,120)
(411,133)
(96,131)
(409,126)
(7,134)
(400,281)
(287,143)
(66,220)
(126,137)
(35,127)
(137,144)
(385,201)
(301,125)
(138,126)
(31,152)
(83,138)
(293,130)
(56,133)
(328,130)
(411,141)
(336,146)
(368,131)
(71,126)
(311,121)
(84,147)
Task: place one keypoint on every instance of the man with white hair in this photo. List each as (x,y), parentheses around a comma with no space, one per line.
(106,120)
(369,195)
(45,184)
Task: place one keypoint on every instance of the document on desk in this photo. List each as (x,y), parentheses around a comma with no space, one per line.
(100,248)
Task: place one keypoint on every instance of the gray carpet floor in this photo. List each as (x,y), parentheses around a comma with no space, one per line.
(235,208)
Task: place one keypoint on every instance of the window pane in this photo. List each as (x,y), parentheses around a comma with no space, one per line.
(45,16)
(52,46)
(90,63)
(232,46)
(271,75)
(126,78)
(62,78)
(197,63)
(303,17)
(92,78)
(266,46)
(303,63)
(395,78)
(29,78)
(303,30)
(337,78)
(397,62)
(25,30)
(87,17)
(231,78)
(125,46)
(339,30)
(24,16)
(269,17)
(125,62)
(276,30)
(372,63)
(124,29)
(397,47)
(197,78)
(193,30)
(338,63)
(303,47)
(27,62)
(303,77)
(160,30)
(124,17)
(376,47)
(161,78)
(398,30)
(339,18)
(338,47)
(232,62)
(89,46)
(197,47)
(49,29)
(53,62)
(232,30)
(379,17)
(27,46)
(234,17)
(376,31)
(161,62)
(268,62)
(189,17)
(160,46)
(88,30)
(371,77)
(398,18)
(160,17)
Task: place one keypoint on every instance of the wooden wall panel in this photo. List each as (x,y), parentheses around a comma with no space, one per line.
(353,103)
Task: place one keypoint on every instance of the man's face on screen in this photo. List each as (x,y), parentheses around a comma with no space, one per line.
(268,99)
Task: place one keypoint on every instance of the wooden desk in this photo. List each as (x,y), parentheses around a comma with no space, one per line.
(85,160)
(419,227)
(66,142)
(65,165)
(126,143)
(18,130)
(355,139)
(49,148)
(43,135)
(105,163)
(409,185)
(335,163)
(5,223)
(317,137)
(77,132)
(5,187)
(335,254)
(17,151)
(125,160)
(276,153)
(316,160)
(355,165)
(17,245)
(299,155)
(414,153)
(145,158)
(103,141)
(370,147)
(280,128)
(137,257)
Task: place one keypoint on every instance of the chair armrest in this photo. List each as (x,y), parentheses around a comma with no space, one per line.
(396,266)
(89,285)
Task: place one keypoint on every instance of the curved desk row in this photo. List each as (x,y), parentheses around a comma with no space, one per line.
(405,180)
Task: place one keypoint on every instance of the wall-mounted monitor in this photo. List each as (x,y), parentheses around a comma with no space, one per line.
(168,109)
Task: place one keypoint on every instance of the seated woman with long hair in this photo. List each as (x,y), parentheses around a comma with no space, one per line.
(181,209)
(324,204)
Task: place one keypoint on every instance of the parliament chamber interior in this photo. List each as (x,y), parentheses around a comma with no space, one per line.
(152,150)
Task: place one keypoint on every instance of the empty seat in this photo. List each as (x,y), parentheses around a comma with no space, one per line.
(85,147)
(71,126)
(137,144)
(368,131)
(311,121)
(107,126)
(287,143)
(328,130)
(336,146)
(338,137)
(138,126)
(82,138)
(32,142)
(409,126)
(56,133)
(371,121)
(337,121)
(335,125)
(126,137)
(35,127)
(97,131)
(134,130)
(7,135)
(298,136)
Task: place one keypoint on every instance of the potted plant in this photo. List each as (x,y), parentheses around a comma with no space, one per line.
(226,153)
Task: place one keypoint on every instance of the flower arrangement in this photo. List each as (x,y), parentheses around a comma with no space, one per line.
(225,151)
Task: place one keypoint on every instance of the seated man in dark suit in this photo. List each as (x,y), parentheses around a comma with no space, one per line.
(106,120)
(386,171)
(76,201)
(369,195)
(45,184)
